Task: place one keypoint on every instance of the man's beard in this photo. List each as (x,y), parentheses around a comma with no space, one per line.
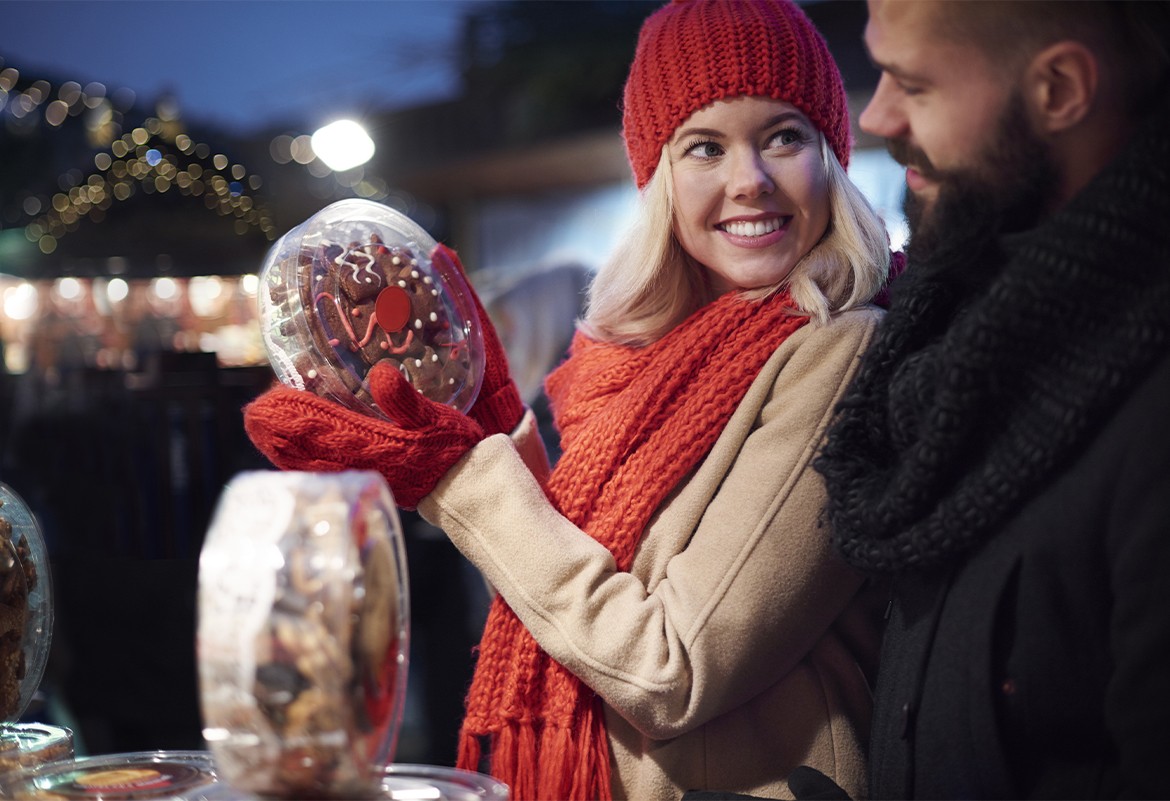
(1010,189)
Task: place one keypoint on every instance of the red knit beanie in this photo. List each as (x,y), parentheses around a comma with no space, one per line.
(694,52)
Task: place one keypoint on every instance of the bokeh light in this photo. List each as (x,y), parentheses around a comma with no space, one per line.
(21,301)
(206,295)
(117,290)
(164,288)
(342,145)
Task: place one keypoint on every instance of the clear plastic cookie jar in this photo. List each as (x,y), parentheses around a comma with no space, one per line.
(26,605)
(303,633)
(359,283)
(26,631)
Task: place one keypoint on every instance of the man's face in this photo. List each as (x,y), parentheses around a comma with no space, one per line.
(956,123)
(1012,184)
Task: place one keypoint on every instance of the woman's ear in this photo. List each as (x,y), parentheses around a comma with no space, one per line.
(1061,85)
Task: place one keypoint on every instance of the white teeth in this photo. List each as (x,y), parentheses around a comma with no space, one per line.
(757,228)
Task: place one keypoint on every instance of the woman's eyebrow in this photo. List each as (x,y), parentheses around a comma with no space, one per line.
(713,133)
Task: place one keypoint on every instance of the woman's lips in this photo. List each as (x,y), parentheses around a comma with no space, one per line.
(751,227)
(755,233)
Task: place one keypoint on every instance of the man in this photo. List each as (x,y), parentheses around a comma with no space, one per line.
(1003,457)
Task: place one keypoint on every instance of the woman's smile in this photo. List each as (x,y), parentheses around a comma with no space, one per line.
(755,233)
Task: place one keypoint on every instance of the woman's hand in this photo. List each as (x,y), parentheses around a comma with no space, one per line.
(298,430)
(498,407)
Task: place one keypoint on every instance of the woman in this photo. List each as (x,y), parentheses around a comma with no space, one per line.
(669,615)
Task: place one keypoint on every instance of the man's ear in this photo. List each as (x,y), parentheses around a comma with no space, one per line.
(1061,85)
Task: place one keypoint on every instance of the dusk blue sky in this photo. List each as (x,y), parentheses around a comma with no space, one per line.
(244,63)
(294,64)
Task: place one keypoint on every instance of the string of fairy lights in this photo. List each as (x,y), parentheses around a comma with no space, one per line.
(155,157)
(151,157)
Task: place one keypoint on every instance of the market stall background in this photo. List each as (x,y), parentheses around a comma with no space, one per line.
(138,197)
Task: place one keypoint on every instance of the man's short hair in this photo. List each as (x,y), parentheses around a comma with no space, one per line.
(1132,37)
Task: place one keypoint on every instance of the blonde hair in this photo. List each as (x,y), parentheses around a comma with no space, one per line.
(650,284)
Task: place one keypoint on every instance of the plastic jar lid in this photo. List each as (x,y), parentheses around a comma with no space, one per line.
(174,775)
(358,283)
(26,745)
(303,633)
(416,782)
(192,776)
(26,608)
(404,782)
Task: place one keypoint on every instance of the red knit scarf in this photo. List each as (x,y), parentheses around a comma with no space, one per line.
(633,422)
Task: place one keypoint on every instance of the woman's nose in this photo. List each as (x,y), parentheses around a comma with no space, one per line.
(749,176)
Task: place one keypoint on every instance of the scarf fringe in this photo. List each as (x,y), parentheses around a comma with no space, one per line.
(558,752)
(503,759)
(591,778)
(526,763)
(571,763)
(470,752)
(513,759)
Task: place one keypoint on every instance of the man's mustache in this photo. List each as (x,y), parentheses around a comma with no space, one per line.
(909,156)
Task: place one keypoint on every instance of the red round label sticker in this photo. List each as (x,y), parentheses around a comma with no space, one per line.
(393,308)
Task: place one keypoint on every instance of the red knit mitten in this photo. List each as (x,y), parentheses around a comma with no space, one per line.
(298,430)
(498,407)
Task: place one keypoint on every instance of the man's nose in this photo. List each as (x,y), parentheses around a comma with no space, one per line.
(883,116)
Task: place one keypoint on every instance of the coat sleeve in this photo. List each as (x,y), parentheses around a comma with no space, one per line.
(738,600)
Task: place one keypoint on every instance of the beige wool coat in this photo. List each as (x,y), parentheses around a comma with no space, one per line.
(734,648)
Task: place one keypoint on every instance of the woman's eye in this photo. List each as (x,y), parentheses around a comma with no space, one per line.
(705,150)
(789,136)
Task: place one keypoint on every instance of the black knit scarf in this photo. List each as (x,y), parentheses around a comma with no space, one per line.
(996,364)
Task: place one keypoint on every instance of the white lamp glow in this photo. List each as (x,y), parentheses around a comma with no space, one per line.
(342,145)
(20,301)
(117,290)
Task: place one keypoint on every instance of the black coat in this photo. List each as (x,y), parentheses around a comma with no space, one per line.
(1040,665)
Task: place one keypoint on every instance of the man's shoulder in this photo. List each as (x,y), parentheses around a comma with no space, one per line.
(1145,412)
(1113,488)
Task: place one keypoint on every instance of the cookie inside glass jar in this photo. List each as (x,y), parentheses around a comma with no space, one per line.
(360,283)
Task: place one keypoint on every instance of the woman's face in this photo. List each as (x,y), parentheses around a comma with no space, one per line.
(751,193)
